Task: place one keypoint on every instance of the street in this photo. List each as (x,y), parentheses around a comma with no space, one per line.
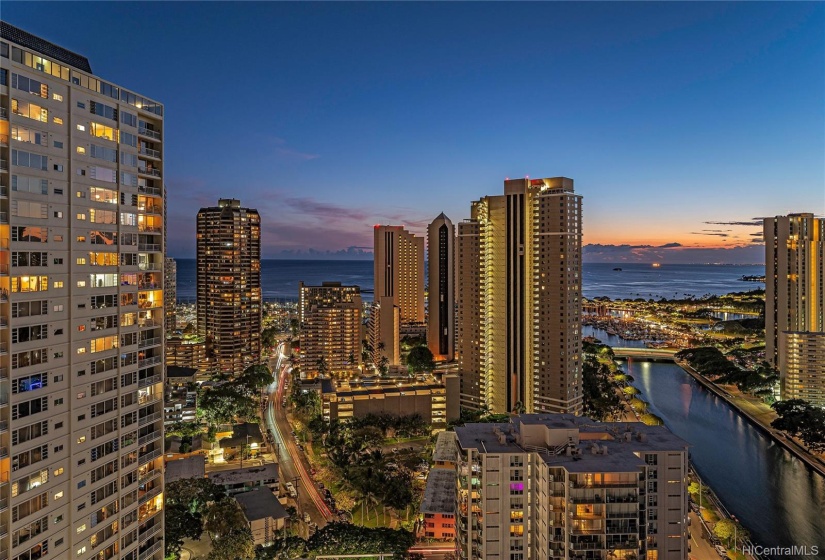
(293,465)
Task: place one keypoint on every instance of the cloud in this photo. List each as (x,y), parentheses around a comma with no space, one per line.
(284,152)
(752,222)
(703,233)
(308,206)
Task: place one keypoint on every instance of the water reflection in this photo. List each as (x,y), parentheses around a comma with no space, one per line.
(772,493)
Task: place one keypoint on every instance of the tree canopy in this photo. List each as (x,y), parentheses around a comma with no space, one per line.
(802,419)
(420,360)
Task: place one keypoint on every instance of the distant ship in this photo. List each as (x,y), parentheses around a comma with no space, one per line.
(617,269)
(656,265)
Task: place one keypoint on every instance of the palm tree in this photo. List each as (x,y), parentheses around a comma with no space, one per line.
(323,367)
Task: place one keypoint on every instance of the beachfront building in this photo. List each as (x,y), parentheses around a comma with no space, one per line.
(81,308)
(440,288)
(229,285)
(795,304)
(170,292)
(330,329)
(560,486)
(518,288)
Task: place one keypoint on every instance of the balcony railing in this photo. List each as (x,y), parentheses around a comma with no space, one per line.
(4,348)
(143,440)
(150,190)
(150,152)
(154,417)
(149,171)
(150,133)
(4,138)
(150,266)
(149,323)
(149,531)
(143,459)
(150,552)
(146,342)
(149,399)
(146,496)
(4,113)
(157,229)
(151,380)
(4,216)
(4,165)
(149,475)
(148,247)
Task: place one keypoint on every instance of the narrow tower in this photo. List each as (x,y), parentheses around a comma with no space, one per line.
(441,292)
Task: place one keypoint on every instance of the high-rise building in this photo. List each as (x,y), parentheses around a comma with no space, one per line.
(229,284)
(562,487)
(440,289)
(330,317)
(518,287)
(795,304)
(81,309)
(399,280)
(383,328)
(170,292)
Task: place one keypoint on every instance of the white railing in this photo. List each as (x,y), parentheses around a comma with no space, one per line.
(150,133)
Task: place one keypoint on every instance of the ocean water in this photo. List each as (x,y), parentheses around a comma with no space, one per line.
(280,278)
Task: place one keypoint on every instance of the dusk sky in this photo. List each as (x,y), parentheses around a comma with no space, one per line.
(679,123)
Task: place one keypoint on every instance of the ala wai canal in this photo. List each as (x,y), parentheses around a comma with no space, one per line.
(772,493)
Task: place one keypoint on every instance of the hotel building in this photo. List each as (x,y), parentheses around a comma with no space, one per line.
(170,292)
(565,487)
(795,304)
(399,282)
(81,309)
(441,289)
(518,288)
(229,285)
(330,319)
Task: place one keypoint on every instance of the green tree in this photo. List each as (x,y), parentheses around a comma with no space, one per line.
(724,529)
(322,366)
(187,501)
(225,404)
(227,527)
(179,524)
(184,429)
(420,360)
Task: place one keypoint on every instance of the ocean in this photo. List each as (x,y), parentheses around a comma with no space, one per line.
(280,278)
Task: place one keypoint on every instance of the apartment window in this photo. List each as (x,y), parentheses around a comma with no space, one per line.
(58,214)
(58,191)
(58,167)
(29,110)
(81,150)
(58,284)
(28,159)
(58,144)
(80,127)
(80,105)
(57,120)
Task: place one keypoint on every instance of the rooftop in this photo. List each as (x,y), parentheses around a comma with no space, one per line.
(445,447)
(181,372)
(569,441)
(243,434)
(35,43)
(439,495)
(260,504)
(191,467)
(268,471)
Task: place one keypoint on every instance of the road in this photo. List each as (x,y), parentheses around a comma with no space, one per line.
(292,462)
(700,547)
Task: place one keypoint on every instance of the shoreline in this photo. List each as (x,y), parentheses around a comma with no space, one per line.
(794,448)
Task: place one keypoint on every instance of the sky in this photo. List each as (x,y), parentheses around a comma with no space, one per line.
(680,123)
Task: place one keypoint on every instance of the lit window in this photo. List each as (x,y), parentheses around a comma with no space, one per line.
(58,495)
(81,528)
(57,120)
(81,439)
(81,128)
(81,283)
(81,551)
(57,97)
(58,471)
(81,260)
(81,350)
(58,283)
(81,328)
(81,150)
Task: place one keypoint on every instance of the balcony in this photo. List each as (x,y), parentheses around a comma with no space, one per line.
(4,348)
(151,171)
(146,533)
(149,475)
(154,417)
(150,190)
(149,247)
(147,342)
(4,113)
(149,152)
(151,551)
(149,399)
(4,138)
(151,229)
(143,440)
(144,497)
(154,134)
(143,459)
(4,216)
(151,380)
(4,165)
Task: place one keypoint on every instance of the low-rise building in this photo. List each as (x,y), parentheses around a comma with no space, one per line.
(558,486)
(235,481)
(265,514)
(189,351)
(246,438)
(438,505)
(436,402)
(444,454)
(180,399)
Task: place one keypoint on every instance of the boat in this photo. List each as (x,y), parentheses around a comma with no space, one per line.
(617,269)
(656,265)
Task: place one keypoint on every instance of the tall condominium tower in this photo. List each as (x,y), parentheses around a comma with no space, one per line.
(440,290)
(795,304)
(229,284)
(518,284)
(399,279)
(81,309)
(330,317)
(562,487)
(170,292)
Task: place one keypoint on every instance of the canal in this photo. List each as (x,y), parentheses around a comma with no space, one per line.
(772,493)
